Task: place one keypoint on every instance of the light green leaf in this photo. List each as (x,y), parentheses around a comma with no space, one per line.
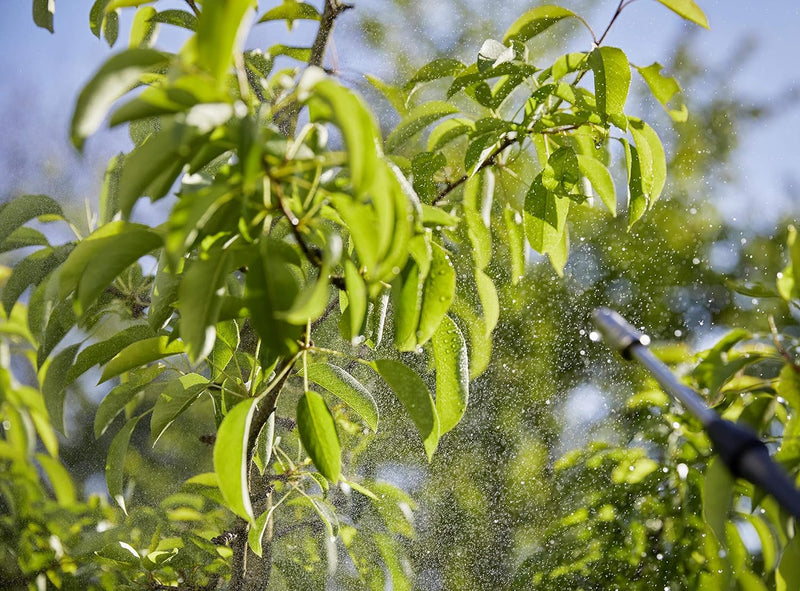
(438,292)
(143,28)
(59,479)
(652,160)
(717,496)
(115,461)
(141,353)
(165,292)
(99,258)
(23,237)
(115,4)
(53,377)
(415,397)
(318,434)
(787,577)
(341,384)
(356,291)
(291,11)
(477,195)
(515,238)
(561,175)
(600,178)
(120,74)
(311,302)
(406,305)
(14,213)
(637,198)
(264,443)
(230,458)
(545,219)
(218,34)
(115,401)
(177,396)
(417,120)
(102,352)
(452,374)
(490,303)
(448,130)
(612,79)
(438,68)
(534,22)
(396,96)
(688,10)
(43,13)
(663,89)
(199,301)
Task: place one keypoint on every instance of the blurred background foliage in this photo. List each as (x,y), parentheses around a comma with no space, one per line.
(497,504)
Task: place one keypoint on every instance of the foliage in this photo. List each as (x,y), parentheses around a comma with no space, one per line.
(306,269)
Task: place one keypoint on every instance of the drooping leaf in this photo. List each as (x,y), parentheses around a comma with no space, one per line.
(53,378)
(14,213)
(449,130)
(545,221)
(23,237)
(230,458)
(438,68)
(174,400)
(637,198)
(217,34)
(688,9)
(291,11)
(561,175)
(31,271)
(612,79)
(310,302)
(395,95)
(59,478)
(318,433)
(664,88)
(264,443)
(141,353)
(417,120)
(787,576)
(415,397)
(120,74)
(115,461)
(115,401)
(717,496)
(654,166)
(343,385)
(143,28)
(438,292)
(452,374)
(111,28)
(43,13)
(356,291)
(600,178)
(99,258)
(96,16)
(406,305)
(534,22)
(177,18)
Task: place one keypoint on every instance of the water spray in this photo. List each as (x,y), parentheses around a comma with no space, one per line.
(745,455)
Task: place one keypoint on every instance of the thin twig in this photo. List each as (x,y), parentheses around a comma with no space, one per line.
(193,6)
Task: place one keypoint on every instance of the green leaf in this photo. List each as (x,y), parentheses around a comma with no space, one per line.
(406,305)
(23,237)
(478,195)
(438,292)
(291,11)
(264,443)
(31,271)
(111,28)
(545,221)
(438,68)
(318,433)
(177,18)
(664,88)
(115,461)
(417,120)
(515,237)
(43,13)
(120,74)
(14,213)
(100,257)
(356,291)
(328,101)
(115,4)
(652,160)
(637,198)
(561,175)
(534,22)
(96,16)
(448,130)
(60,480)
(396,96)
(341,384)
(218,33)
(612,79)
(230,458)
(452,374)
(141,353)
(143,28)
(490,304)
(199,301)
(787,577)
(311,302)
(53,378)
(688,10)
(600,178)
(59,323)
(173,401)
(717,496)
(415,397)
(115,401)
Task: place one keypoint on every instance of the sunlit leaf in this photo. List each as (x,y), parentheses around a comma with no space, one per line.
(415,397)
(612,79)
(561,175)
(534,22)
(600,178)
(343,385)
(688,9)
(417,120)
(717,496)
(291,11)
(438,292)
(318,433)
(438,68)
(230,458)
(545,220)
(43,13)
(217,33)
(59,478)
(141,353)
(452,374)
(787,576)
(664,88)
(143,28)
(174,400)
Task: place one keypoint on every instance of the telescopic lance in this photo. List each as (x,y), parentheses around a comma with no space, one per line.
(743,452)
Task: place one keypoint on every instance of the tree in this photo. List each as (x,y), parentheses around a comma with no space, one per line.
(304,263)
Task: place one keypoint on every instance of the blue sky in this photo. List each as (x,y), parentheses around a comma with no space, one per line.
(43,73)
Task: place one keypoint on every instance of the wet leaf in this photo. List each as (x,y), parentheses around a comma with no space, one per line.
(318,435)
(452,374)
(612,79)
(534,22)
(688,10)
(230,458)
(115,461)
(343,385)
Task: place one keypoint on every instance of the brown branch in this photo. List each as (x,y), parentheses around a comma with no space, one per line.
(193,6)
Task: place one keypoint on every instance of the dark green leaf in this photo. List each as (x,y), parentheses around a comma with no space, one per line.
(178,18)
(415,397)
(43,13)
(417,120)
(438,68)
(115,461)
(115,401)
(59,479)
(173,401)
(24,208)
(119,75)
(688,10)
(111,28)
(96,16)
(452,374)
(230,458)
(340,383)
(534,22)
(612,79)
(31,271)
(141,353)
(318,433)
(59,323)
(23,237)
(53,388)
